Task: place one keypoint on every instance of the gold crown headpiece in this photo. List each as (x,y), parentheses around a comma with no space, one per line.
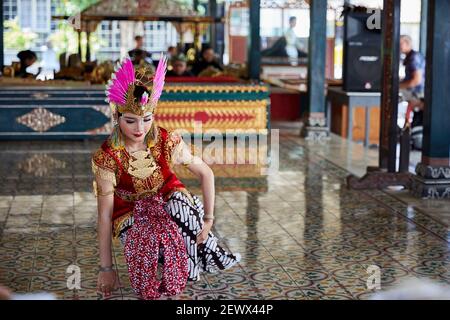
(121,87)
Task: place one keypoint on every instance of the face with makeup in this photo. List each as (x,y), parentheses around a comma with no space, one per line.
(135,127)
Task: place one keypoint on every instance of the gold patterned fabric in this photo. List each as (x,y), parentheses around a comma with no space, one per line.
(141,164)
(104,166)
(143,167)
(120,223)
(171,145)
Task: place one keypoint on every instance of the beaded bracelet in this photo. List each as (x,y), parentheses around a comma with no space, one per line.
(106,269)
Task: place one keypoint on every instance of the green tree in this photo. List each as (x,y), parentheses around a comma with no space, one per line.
(71,7)
(15,38)
(65,38)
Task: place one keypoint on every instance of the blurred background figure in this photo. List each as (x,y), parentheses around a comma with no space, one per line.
(7,294)
(179,67)
(139,60)
(412,89)
(27,59)
(415,289)
(293,46)
(413,84)
(416,107)
(172,52)
(50,63)
(140,50)
(207,60)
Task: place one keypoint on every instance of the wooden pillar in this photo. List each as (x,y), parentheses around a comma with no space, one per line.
(386,174)
(79,43)
(212,5)
(433,173)
(195,4)
(88,46)
(197,40)
(254,41)
(423,27)
(2,52)
(390,85)
(315,121)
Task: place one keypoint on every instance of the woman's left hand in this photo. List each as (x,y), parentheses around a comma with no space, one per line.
(203,235)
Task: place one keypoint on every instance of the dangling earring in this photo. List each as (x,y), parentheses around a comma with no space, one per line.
(116,134)
(116,138)
(150,136)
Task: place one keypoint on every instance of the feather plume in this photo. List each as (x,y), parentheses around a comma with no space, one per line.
(120,81)
(158,81)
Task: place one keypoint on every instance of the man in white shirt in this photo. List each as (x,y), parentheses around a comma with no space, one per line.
(292,44)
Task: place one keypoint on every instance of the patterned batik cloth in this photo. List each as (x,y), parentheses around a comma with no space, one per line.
(153,233)
(209,256)
(188,214)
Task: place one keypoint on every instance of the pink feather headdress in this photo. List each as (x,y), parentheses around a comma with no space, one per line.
(120,89)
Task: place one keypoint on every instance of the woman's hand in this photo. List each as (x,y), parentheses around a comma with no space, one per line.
(107,281)
(203,235)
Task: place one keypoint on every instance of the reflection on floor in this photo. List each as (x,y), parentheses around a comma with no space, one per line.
(301,233)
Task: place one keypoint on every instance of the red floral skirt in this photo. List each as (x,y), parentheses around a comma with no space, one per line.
(154,232)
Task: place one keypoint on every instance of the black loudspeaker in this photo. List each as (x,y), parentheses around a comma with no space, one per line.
(362,53)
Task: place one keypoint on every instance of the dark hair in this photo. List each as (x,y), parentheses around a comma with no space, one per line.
(26,54)
(139,53)
(292,19)
(137,38)
(206,48)
(180,57)
(139,91)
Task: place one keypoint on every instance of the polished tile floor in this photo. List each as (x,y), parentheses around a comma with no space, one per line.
(301,233)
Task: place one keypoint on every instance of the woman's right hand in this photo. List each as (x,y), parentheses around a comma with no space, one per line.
(107,281)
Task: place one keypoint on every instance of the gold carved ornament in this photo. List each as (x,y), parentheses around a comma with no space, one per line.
(142,164)
(104,175)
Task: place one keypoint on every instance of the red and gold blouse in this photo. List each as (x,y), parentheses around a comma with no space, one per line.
(138,175)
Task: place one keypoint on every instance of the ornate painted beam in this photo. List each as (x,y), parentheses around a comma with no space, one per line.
(433,173)
(42,112)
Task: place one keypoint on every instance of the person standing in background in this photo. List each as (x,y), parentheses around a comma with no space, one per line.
(414,82)
(27,59)
(172,52)
(139,50)
(292,44)
(206,61)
